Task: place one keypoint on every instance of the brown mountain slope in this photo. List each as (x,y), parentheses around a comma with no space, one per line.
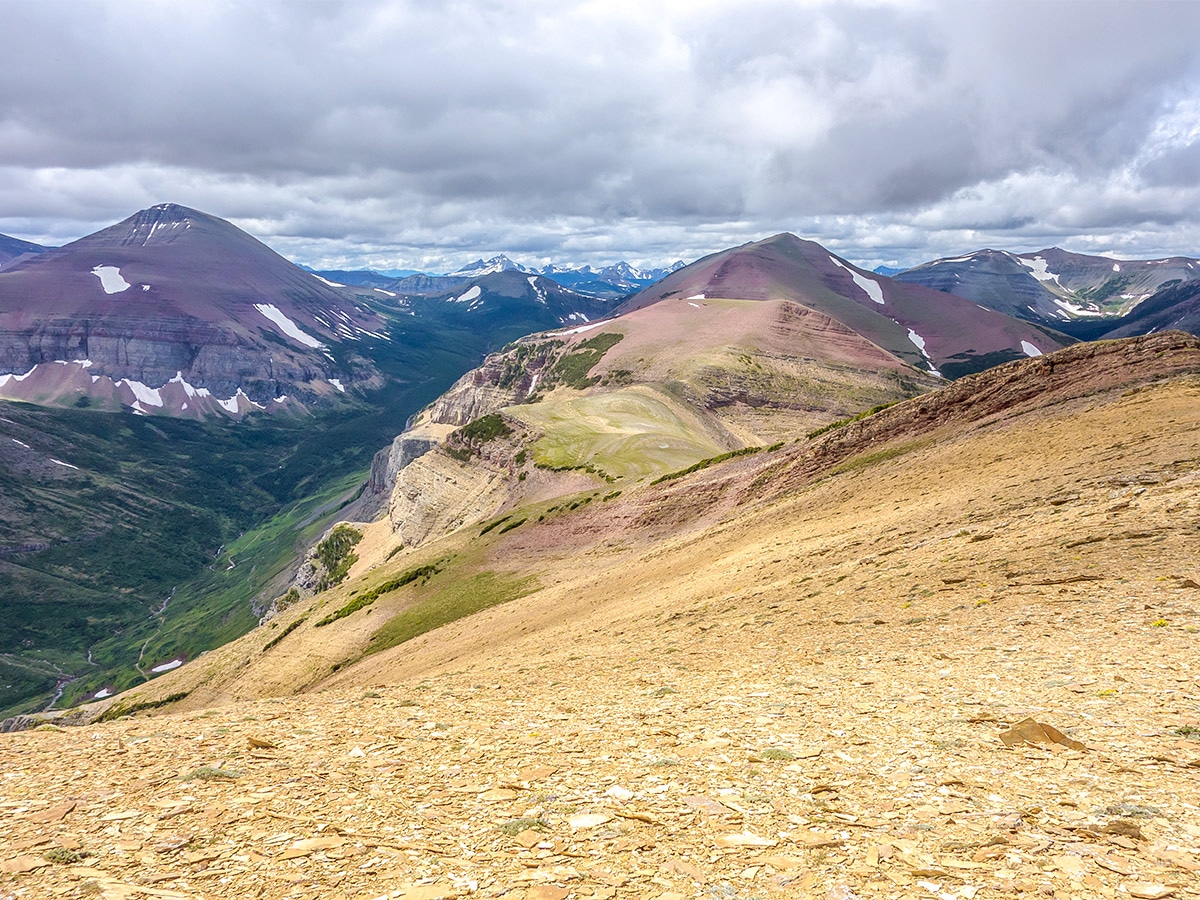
(798,694)
(927,328)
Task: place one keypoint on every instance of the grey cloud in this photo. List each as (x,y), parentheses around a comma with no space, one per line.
(388,132)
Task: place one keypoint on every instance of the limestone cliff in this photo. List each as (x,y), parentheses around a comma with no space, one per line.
(437,494)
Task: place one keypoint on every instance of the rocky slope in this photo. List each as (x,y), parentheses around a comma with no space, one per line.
(817,690)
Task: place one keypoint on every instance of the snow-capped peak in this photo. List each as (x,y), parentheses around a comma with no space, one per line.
(482,267)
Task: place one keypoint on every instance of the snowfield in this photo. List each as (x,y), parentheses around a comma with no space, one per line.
(919,343)
(869,286)
(290,329)
(111,280)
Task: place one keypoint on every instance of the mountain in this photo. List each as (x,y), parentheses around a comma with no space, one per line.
(607,283)
(14,248)
(508,297)
(938,332)
(1053,287)
(176,311)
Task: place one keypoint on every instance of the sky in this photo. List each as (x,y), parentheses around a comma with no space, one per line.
(424,134)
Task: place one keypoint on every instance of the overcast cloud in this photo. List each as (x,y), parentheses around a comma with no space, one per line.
(423,134)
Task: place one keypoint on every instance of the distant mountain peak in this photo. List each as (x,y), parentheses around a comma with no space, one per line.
(498,263)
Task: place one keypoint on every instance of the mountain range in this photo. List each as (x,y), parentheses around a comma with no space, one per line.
(1087,296)
(173,311)
(515,389)
(774,578)
(608,282)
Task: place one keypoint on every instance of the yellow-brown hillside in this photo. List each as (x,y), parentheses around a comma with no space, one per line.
(786,676)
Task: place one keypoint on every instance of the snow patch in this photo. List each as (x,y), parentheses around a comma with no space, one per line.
(59,462)
(690,303)
(232,405)
(5,379)
(382,291)
(337,383)
(168,666)
(471,293)
(869,286)
(1030,349)
(146,395)
(1039,269)
(697,297)
(145,287)
(102,694)
(919,343)
(325,280)
(187,388)
(1116,267)
(1067,309)
(580,330)
(111,280)
(21,444)
(290,329)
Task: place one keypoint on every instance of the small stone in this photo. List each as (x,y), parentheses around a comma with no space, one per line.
(22,864)
(744,839)
(587,820)
(498,795)
(1148,890)
(528,838)
(55,813)
(619,793)
(357,752)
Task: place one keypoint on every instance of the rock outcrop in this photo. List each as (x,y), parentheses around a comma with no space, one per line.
(436,495)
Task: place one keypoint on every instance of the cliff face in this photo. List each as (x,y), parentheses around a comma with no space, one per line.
(153,351)
(503,379)
(436,495)
(427,493)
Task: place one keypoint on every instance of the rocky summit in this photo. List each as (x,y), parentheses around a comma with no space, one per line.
(836,669)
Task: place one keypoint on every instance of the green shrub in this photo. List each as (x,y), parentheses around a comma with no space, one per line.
(458,598)
(421,572)
(279,637)
(705,463)
(337,555)
(120,710)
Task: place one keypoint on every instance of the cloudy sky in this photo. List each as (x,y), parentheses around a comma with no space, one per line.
(426,133)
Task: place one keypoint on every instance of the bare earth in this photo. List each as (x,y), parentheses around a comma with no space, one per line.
(805,699)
